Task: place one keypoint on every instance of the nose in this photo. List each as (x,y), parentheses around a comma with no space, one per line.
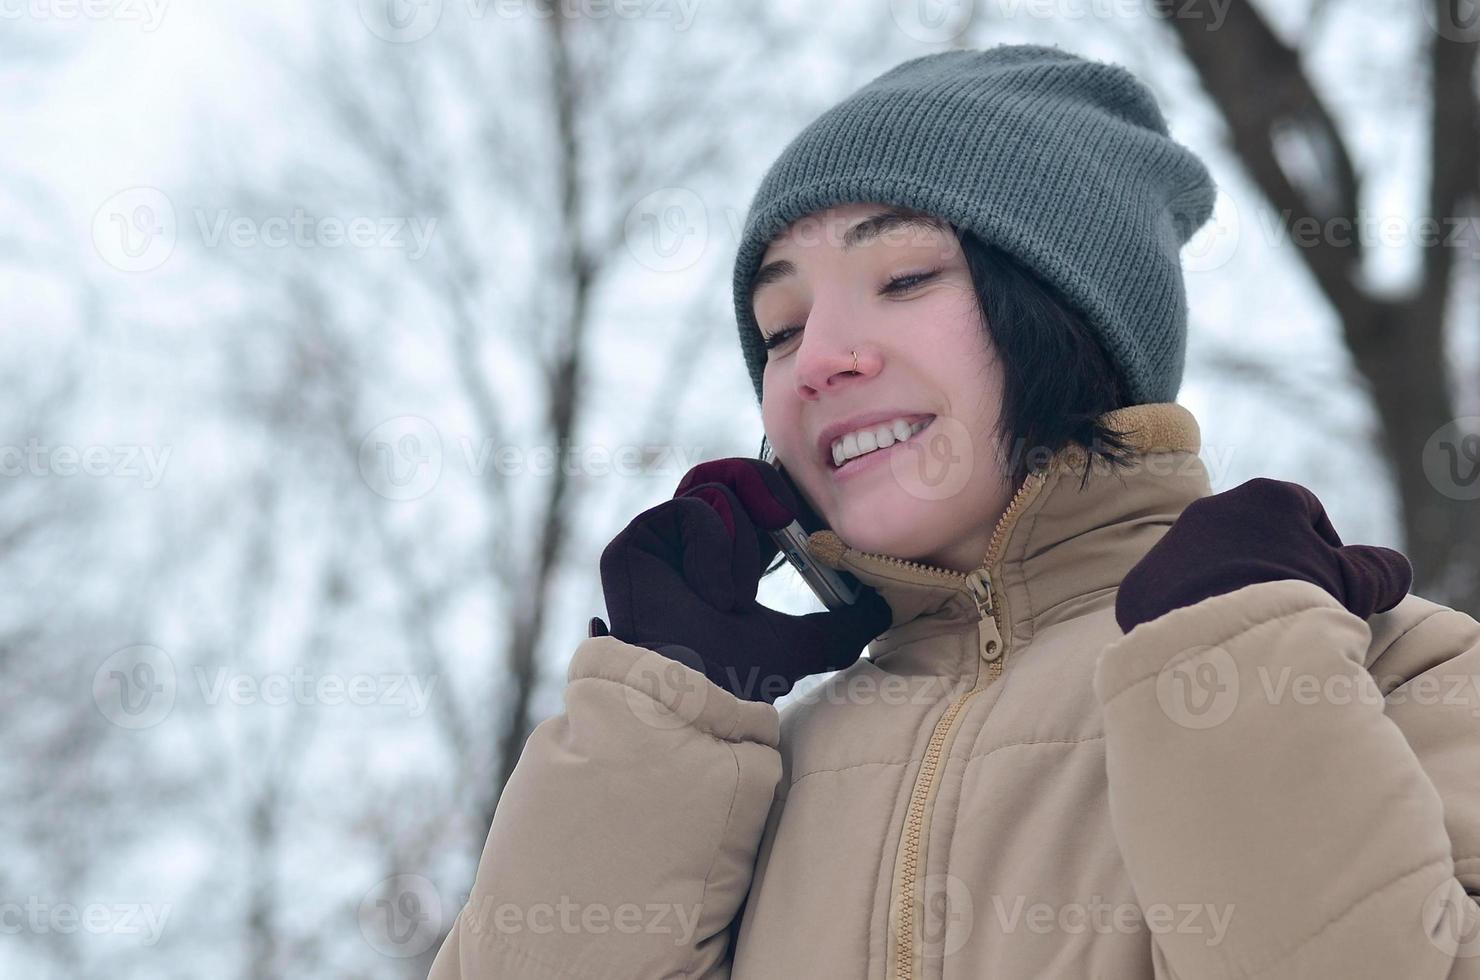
(824,359)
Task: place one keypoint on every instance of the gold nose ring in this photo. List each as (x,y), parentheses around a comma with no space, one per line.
(855,362)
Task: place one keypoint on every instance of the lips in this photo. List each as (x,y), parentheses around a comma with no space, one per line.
(852,423)
(870,459)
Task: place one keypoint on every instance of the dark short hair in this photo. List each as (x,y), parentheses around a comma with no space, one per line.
(1058,378)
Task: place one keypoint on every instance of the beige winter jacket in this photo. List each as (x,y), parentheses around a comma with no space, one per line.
(1009,787)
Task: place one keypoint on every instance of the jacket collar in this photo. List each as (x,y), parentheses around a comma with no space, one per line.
(1055,542)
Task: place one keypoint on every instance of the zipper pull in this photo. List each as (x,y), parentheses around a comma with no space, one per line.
(981,590)
(990,639)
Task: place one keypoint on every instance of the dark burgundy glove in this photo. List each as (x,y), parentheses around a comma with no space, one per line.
(1260,531)
(681,579)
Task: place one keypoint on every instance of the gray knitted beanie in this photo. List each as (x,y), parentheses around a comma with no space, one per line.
(1062,162)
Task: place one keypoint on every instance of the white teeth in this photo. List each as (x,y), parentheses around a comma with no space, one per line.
(878,437)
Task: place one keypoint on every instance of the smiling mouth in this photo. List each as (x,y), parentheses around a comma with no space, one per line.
(847,463)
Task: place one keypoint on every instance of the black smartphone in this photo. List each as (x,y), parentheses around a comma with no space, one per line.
(835,589)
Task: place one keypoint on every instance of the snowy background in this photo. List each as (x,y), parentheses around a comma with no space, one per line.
(339,338)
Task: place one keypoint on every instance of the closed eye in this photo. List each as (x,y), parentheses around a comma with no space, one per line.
(894,287)
(903,284)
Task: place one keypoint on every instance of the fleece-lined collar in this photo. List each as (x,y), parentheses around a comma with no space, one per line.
(1059,542)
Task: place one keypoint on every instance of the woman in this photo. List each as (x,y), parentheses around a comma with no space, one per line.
(1111,724)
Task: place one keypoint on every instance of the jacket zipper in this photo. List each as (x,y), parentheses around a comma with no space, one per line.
(991,647)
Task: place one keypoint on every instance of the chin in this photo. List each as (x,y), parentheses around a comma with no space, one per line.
(881,541)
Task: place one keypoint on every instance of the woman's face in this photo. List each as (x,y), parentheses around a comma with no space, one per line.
(825,288)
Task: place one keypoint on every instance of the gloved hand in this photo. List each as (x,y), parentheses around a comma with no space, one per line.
(1260,531)
(681,579)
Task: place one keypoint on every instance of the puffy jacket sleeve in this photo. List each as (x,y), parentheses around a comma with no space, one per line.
(624,841)
(1261,777)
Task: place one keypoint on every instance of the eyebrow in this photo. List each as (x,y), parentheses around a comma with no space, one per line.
(863,232)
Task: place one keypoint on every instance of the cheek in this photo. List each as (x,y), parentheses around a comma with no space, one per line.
(960,361)
(782,431)
(956,367)
(950,324)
